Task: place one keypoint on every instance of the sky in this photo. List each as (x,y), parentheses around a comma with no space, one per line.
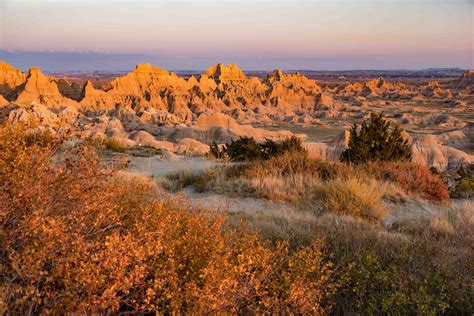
(256,34)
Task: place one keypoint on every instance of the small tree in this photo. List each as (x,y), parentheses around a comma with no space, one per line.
(375,142)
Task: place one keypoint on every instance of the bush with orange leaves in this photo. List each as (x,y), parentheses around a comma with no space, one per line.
(77,237)
(413,178)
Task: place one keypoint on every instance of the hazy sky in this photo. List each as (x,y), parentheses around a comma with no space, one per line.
(258,34)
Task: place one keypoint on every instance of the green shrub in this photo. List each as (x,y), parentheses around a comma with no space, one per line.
(243,149)
(464,183)
(292,144)
(375,142)
(248,149)
(464,189)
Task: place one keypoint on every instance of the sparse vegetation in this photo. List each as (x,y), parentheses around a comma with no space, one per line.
(375,142)
(464,189)
(143,151)
(112,145)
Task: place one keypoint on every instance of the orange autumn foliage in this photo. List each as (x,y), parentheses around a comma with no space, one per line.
(413,178)
(76,236)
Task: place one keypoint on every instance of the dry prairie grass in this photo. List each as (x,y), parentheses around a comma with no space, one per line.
(304,181)
(353,197)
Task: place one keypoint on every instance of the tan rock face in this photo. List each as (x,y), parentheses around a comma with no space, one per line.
(41,89)
(10,78)
(468,74)
(227,125)
(467,79)
(221,73)
(291,91)
(139,90)
(92,98)
(435,91)
(429,151)
(160,97)
(378,87)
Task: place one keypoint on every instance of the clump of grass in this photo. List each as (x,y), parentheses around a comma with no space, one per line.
(464,189)
(179,180)
(353,197)
(442,222)
(108,144)
(144,151)
(296,227)
(41,137)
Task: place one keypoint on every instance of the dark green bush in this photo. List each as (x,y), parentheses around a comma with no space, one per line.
(463,183)
(243,149)
(375,142)
(464,189)
(292,144)
(248,149)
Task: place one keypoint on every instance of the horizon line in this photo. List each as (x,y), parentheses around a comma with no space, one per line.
(429,69)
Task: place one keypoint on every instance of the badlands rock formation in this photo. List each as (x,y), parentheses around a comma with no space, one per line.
(153,107)
(41,89)
(467,80)
(10,79)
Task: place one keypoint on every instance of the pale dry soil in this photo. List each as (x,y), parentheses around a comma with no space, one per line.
(161,167)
